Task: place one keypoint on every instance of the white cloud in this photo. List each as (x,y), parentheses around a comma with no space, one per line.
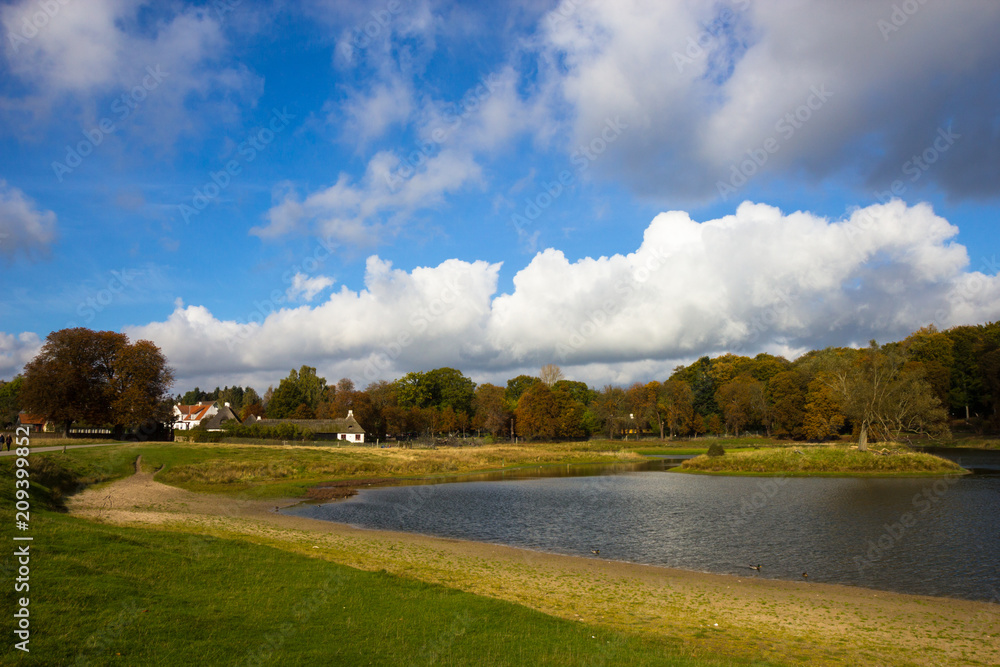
(16,351)
(23,228)
(361,213)
(702,83)
(757,280)
(305,288)
(367,116)
(95,52)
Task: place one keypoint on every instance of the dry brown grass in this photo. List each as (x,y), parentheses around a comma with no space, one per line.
(222,465)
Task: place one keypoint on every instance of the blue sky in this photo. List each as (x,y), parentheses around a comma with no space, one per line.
(378,188)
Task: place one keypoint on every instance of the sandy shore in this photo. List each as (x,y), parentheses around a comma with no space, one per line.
(704,613)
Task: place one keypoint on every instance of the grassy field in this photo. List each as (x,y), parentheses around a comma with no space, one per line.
(107,595)
(192,591)
(821,460)
(276,471)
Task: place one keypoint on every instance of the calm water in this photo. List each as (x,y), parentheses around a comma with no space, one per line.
(926,536)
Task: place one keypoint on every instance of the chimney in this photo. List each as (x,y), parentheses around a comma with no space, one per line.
(350,414)
(226,404)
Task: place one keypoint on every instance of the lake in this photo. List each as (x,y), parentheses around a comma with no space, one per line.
(930,536)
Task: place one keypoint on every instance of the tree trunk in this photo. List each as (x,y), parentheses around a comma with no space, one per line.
(863,438)
(66,426)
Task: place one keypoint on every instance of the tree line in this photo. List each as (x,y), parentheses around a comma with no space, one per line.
(913,386)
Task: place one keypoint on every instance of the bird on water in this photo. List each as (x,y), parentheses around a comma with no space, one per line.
(596,552)
(755,567)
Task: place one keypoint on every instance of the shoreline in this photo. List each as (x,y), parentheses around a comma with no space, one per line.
(707,613)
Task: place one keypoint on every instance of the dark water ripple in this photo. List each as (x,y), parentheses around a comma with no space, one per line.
(927,536)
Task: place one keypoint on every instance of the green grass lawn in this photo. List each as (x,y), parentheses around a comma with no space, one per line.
(821,460)
(106,595)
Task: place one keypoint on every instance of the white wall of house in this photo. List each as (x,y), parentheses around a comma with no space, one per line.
(184,425)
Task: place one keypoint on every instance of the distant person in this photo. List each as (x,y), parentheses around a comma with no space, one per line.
(9,440)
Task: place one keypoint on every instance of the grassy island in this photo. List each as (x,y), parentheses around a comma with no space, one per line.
(833,460)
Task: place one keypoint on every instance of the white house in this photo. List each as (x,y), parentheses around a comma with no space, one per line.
(209,413)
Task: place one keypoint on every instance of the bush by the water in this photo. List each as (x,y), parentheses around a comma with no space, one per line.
(715,449)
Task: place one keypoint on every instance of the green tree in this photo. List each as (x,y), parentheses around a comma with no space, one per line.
(300,387)
(578,390)
(516,387)
(450,389)
(10,401)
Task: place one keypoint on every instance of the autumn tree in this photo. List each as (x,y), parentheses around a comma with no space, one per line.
(550,374)
(677,402)
(643,404)
(491,413)
(546,414)
(537,413)
(822,416)
(611,405)
(97,377)
(742,402)
(139,384)
(787,392)
(884,399)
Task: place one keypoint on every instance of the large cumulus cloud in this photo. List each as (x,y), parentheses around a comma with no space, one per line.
(757,280)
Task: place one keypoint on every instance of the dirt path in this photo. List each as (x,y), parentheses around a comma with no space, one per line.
(706,613)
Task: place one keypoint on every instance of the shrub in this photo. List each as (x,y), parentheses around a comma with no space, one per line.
(715,449)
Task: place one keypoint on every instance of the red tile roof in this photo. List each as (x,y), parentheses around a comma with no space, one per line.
(32,419)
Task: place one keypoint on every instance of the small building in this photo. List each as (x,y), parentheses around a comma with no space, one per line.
(207,413)
(346,428)
(34,423)
(224,414)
